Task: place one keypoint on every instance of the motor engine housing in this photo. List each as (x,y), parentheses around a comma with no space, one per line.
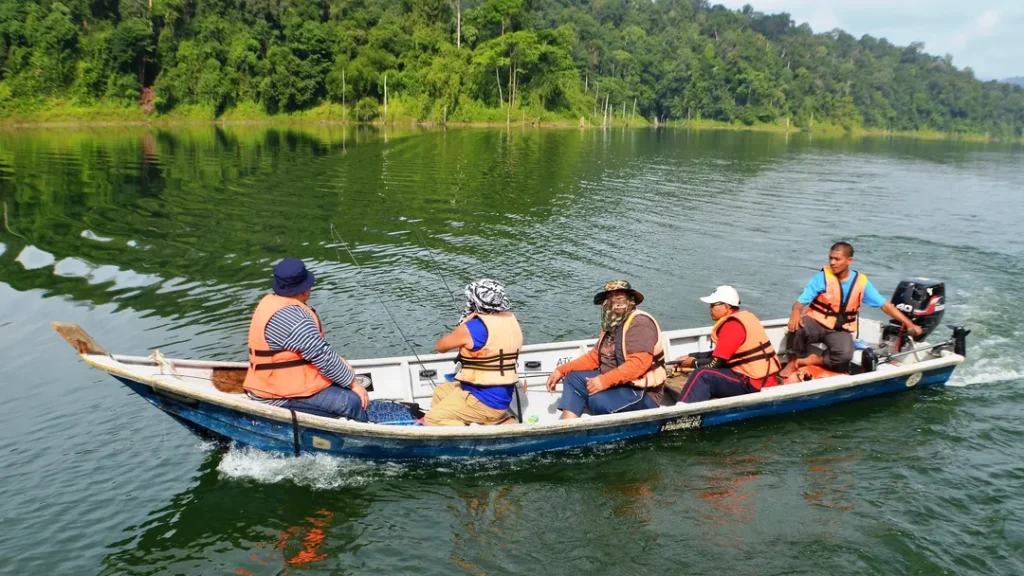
(923,300)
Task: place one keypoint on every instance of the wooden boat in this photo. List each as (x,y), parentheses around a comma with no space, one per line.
(190,391)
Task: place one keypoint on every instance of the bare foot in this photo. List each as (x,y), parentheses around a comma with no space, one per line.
(789,369)
(566,415)
(811,360)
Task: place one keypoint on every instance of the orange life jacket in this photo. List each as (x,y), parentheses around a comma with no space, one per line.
(830,310)
(755,358)
(494,364)
(279,373)
(656,374)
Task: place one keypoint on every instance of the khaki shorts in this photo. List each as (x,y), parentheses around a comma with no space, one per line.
(453,406)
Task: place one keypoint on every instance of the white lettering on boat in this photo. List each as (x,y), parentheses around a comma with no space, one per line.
(684,423)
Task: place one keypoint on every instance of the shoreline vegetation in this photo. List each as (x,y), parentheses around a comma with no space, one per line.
(74,117)
(550,63)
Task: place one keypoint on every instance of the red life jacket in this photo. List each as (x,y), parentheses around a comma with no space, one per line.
(755,358)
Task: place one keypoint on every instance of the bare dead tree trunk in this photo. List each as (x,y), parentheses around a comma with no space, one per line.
(458,24)
(515,85)
(501,98)
(510,95)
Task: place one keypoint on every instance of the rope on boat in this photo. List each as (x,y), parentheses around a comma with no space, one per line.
(519,404)
(295,431)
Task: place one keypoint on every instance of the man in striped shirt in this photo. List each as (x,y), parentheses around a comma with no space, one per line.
(290,363)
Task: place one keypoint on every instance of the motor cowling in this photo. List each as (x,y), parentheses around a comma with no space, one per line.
(923,301)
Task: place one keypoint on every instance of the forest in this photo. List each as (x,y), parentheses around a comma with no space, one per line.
(606,61)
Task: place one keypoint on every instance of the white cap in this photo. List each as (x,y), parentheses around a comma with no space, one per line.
(725,295)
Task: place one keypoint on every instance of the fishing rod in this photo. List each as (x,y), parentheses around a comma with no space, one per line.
(433,263)
(424,373)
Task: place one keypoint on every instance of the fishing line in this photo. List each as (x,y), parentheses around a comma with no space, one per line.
(433,263)
(337,238)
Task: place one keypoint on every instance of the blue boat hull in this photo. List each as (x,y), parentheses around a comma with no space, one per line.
(212,420)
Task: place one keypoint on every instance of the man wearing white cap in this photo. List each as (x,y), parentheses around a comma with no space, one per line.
(743,360)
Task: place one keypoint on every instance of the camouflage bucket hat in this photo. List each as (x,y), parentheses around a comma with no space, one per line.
(614,286)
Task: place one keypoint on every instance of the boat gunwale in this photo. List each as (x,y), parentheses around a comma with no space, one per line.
(245,405)
(425,358)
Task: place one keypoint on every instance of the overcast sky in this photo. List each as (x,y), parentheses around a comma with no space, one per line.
(987,35)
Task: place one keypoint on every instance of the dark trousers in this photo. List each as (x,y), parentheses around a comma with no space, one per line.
(577,400)
(707,383)
(838,344)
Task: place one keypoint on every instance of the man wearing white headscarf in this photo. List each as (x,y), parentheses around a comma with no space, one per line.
(488,339)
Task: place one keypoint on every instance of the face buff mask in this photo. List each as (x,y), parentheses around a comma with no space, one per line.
(614,314)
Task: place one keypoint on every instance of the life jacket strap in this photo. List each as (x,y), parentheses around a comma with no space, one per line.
(499,362)
(280,365)
(762,352)
(822,309)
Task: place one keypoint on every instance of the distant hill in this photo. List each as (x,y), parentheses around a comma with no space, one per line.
(1019,80)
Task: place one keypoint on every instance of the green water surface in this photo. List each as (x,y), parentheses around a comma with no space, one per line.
(163,239)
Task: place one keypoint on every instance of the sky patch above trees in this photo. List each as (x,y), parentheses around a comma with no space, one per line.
(984,36)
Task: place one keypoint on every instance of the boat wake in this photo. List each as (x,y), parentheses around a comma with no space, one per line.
(987,371)
(992,354)
(327,472)
(990,360)
(317,471)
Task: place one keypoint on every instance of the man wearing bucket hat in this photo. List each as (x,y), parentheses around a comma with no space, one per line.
(290,363)
(488,339)
(625,370)
(743,360)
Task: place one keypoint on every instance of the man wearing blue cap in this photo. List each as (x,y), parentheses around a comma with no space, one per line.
(290,363)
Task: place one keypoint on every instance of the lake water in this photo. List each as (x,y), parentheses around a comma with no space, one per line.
(163,239)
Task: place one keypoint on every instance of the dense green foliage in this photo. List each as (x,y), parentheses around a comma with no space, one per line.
(484,60)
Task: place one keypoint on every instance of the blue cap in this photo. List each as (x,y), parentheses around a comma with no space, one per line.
(291,277)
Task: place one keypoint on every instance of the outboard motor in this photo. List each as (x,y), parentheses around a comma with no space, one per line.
(923,301)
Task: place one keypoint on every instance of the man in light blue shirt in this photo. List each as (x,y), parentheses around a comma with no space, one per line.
(827,313)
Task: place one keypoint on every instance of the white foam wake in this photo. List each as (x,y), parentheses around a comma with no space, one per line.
(986,371)
(314,470)
(325,472)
